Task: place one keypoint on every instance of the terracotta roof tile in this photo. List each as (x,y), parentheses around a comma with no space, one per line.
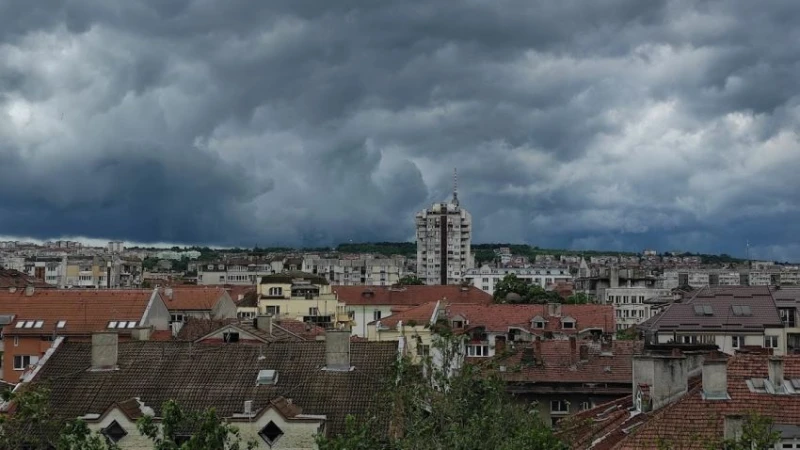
(409,295)
(82,311)
(192,299)
(14,279)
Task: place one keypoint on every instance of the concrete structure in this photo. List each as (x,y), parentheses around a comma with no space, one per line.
(487,277)
(304,297)
(631,306)
(116,247)
(357,272)
(444,240)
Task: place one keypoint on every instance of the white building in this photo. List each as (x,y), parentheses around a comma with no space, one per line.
(356,272)
(486,278)
(630,304)
(116,246)
(444,234)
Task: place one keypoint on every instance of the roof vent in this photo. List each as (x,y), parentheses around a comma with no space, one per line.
(266,377)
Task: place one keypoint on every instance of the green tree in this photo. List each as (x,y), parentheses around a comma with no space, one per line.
(207,430)
(410,280)
(434,407)
(578,298)
(526,291)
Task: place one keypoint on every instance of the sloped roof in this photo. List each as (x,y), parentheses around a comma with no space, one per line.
(199,376)
(282,330)
(499,317)
(192,298)
(559,364)
(83,311)
(410,295)
(420,314)
(10,278)
(720,300)
(289,276)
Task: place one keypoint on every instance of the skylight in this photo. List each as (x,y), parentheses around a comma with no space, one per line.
(19,324)
(112,324)
(703,310)
(38,324)
(266,377)
(29,323)
(742,310)
(131,324)
(61,324)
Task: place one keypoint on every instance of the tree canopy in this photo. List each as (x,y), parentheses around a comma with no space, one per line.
(525,291)
(410,280)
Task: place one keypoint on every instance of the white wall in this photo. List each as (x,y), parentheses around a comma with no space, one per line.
(364,315)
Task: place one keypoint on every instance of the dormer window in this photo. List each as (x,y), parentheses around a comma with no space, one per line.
(538,324)
(114,432)
(569,325)
(458,324)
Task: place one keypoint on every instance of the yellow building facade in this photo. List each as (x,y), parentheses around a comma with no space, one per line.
(302,296)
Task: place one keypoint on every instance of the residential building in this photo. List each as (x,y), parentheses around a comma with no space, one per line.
(493,327)
(368,304)
(357,272)
(787,299)
(595,280)
(486,278)
(258,331)
(234,272)
(444,235)
(564,377)
(282,395)
(302,296)
(12,280)
(729,317)
(631,305)
(32,319)
(116,247)
(678,411)
(184,303)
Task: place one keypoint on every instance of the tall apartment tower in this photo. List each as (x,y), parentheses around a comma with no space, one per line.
(444,247)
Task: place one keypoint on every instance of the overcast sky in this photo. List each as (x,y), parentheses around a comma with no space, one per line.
(607,124)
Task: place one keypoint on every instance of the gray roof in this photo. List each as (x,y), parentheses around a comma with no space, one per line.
(200,376)
(289,276)
(719,308)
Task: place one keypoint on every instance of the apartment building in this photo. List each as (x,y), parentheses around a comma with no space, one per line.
(487,277)
(444,236)
(632,305)
(304,297)
(357,272)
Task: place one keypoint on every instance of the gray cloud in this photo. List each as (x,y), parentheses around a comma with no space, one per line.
(615,123)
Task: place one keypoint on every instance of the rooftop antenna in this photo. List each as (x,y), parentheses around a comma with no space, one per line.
(455,186)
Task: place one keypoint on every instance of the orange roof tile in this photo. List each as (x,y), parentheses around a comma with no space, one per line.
(82,311)
(193,298)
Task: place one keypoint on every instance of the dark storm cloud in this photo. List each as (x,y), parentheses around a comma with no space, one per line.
(614,123)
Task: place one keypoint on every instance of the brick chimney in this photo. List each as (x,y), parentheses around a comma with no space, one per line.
(264,323)
(337,350)
(775,371)
(573,349)
(583,351)
(104,351)
(665,378)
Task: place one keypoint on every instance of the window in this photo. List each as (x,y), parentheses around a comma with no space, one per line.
(478,350)
(538,324)
(230,336)
(376,314)
(19,324)
(559,407)
(458,324)
(424,350)
(585,406)
(177,317)
(16,341)
(689,339)
(274,310)
(737,341)
(787,316)
(131,324)
(114,432)
(246,314)
(569,325)
(313,311)
(770,341)
(61,324)
(38,324)
(112,324)
(21,362)
(275,291)
(270,433)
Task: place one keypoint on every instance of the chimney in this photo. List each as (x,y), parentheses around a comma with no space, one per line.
(168,292)
(537,346)
(715,378)
(554,309)
(337,350)
(583,350)
(104,351)
(264,323)
(661,378)
(776,371)
(573,349)
(29,290)
(140,334)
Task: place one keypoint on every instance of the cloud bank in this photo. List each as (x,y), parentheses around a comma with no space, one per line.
(616,124)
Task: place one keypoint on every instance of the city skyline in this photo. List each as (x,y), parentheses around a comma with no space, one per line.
(617,125)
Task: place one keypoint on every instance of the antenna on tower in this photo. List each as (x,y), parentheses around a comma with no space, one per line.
(455,186)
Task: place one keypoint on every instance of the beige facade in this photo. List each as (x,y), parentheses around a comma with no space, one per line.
(303,297)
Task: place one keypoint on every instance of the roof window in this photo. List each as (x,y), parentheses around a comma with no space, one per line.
(703,310)
(112,324)
(61,324)
(29,323)
(114,432)
(267,376)
(38,324)
(742,310)
(19,324)
(270,433)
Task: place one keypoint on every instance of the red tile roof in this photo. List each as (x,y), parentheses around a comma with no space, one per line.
(499,317)
(14,279)
(409,295)
(420,314)
(83,311)
(556,362)
(193,298)
(690,422)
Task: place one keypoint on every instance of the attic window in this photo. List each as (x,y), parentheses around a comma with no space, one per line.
(230,336)
(29,323)
(458,324)
(267,377)
(131,324)
(568,325)
(270,433)
(703,310)
(112,324)
(38,324)
(538,324)
(114,432)
(742,310)
(19,324)
(61,324)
